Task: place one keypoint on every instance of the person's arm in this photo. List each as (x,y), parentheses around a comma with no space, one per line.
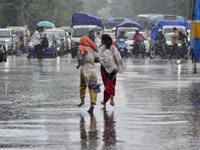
(176,35)
(134,37)
(37,35)
(80,57)
(143,37)
(96,57)
(164,39)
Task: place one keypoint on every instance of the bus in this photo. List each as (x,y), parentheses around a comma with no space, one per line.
(113,22)
(148,21)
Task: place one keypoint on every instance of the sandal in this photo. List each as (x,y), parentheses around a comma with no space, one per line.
(91,108)
(104,104)
(112,100)
(82,102)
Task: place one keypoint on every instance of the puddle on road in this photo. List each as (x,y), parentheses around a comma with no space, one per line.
(157,106)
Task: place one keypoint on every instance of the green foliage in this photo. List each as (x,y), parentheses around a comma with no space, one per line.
(30,12)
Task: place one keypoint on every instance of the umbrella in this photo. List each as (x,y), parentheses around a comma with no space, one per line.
(46,24)
(95,29)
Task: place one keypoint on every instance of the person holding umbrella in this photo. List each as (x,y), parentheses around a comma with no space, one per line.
(37,45)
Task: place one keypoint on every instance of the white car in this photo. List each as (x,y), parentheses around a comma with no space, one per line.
(168,37)
(129,41)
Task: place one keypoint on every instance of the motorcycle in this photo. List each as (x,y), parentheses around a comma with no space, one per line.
(138,48)
(121,47)
(3,52)
(182,49)
(156,49)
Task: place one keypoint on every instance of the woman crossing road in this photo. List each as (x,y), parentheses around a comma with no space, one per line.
(111,64)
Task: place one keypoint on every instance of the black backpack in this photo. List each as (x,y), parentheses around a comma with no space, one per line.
(45,43)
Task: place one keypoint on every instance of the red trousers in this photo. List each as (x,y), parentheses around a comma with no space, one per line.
(109,85)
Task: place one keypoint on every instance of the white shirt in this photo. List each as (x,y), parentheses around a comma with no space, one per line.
(97,41)
(36,38)
(111,59)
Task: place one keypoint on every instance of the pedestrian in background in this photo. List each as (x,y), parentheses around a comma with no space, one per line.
(111,64)
(98,40)
(175,40)
(37,46)
(87,56)
(92,36)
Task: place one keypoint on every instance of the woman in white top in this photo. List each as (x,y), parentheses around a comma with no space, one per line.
(111,64)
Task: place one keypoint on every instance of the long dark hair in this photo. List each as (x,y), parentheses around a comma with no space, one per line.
(107,40)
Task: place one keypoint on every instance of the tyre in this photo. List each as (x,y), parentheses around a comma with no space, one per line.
(1,56)
(143,51)
(136,51)
(53,54)
(152,52)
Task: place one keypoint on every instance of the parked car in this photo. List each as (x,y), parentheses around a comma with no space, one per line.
(7,36)
(62,37)
(168,37)
(129,41)
(51,50)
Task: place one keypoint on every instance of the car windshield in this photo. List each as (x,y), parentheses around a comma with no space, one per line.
(19,33)
(129,35)
(56,35)
(5,33)
(170,30)
(168,36)
(79,32)
(112,35)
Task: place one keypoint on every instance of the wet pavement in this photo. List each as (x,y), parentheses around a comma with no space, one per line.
(157,107)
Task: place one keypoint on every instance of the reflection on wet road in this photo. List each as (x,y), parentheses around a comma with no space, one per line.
(157,107)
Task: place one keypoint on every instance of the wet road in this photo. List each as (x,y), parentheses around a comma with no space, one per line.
(157,107)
